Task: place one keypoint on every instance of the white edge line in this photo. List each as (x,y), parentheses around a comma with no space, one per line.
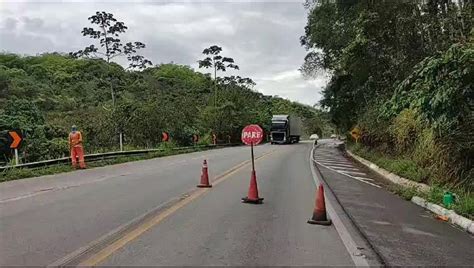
(353,172)
(347,240)
(344,168)
(365,179)
(342,173)
(332,159)
(356,172)
(335,162)
(338,163)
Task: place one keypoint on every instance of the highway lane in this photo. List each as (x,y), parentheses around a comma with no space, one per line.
(43,219)
(217,229)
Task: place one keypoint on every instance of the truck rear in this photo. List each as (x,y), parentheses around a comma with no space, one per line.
(285,129)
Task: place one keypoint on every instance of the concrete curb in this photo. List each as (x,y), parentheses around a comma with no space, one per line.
(465,223)
(355,241)
(389,175)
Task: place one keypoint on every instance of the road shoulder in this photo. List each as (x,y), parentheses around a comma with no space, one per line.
(400,231)
(361,251)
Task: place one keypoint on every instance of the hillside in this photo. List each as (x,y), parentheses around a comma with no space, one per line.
(44,95)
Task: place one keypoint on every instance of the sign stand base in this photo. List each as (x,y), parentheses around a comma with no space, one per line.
(252,135)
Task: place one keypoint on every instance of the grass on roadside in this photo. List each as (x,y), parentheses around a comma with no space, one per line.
(22,173)
(464,204)
(403,167)
(405,192)
(464,201)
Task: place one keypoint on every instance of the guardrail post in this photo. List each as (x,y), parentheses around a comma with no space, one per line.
(121,141)
(17,159)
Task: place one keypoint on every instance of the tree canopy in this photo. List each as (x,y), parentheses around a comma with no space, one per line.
(44,95)
(402,72)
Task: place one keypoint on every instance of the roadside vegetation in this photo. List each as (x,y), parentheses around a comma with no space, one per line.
(402,72)
(22,173)
(44,95)
(409,169)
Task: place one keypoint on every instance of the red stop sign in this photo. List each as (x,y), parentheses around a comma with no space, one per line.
(252,134)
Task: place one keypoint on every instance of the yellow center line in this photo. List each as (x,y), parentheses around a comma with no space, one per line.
(134,233)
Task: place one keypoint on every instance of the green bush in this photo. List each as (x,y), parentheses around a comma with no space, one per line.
(407,168)
(435,195)
(205,139)
(375,129)
(405,192)
(167,146)
(425,149)
(405,129)
(464,204)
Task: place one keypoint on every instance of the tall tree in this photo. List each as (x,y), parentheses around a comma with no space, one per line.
(107,33)
(217,62)
(236,81)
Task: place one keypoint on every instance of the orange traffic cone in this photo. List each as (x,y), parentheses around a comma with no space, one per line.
(204,176)
(319,213)
(252,196)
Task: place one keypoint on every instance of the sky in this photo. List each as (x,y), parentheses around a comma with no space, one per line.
(261,36)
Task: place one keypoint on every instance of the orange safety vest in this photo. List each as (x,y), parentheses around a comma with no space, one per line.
(75,139)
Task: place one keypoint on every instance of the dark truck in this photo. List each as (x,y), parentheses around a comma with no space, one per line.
(285,129)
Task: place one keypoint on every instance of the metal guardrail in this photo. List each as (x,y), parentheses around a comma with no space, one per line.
(109,155)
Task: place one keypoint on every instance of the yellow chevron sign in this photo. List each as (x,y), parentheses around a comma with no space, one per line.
(356,133)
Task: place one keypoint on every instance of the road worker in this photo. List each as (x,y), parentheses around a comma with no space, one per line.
(75,145)
(214,139)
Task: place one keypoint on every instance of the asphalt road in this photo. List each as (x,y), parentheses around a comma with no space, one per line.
(402,233)
(44,219)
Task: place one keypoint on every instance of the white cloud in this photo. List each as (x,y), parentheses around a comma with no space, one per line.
(291,85)
(262,36)
(286,75)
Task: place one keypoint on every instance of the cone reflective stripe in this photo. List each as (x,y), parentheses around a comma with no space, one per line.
(319,213)
(252,196)
(204,176)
